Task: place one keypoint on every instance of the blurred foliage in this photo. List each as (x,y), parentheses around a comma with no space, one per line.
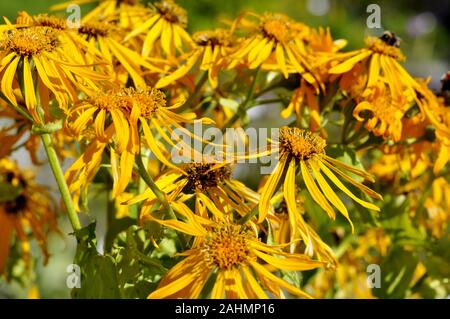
(114,272)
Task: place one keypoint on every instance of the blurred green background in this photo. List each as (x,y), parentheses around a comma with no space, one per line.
(423,27)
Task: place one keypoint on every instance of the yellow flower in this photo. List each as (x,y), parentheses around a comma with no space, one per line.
(241,263)
(43,56)
(381,113)
(387,90)
(297,147)
(321,50)
(26,209)
(274,44)
(212,49)
(17,128)
(116,117)
(129,13)
(104,35)
(390,168)
(212,186)
(289,226)
(165,30)
(438,207)
(12,130)
(80,50)
(305,95)
(426,139)
(439,116)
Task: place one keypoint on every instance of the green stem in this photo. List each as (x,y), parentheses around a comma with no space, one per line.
(243,106)
(158,193)
(268,101)
(244,219)
(196,93)
(59,177)
(17,108)
(268,89)
(155,189)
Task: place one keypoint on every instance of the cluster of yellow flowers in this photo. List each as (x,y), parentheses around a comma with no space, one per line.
(111,93)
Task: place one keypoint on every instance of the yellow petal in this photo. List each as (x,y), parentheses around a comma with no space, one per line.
(347,65)
(374,70)
(281,60)
(270,188)
(362,187)
(290,263)
(315,192)
(166,38)
(143,27)
(170,289)
(253,284)
(218,291)
(153,34)
(289,196)
(7,80)
(152,144)
(342,187)
(330,194)
(278,281)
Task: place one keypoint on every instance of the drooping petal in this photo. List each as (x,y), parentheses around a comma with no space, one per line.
(315,192)
(270,188)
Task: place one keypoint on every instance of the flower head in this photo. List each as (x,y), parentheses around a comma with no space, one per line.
(27,210)
(44,56)
(274,44)
(165,30)
(240,259)
(299,147)
(116,117)
(212,49)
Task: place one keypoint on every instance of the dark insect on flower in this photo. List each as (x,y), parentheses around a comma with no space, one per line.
(391,39)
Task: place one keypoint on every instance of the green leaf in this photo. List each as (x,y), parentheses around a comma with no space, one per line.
(397,271)
(229,103)
(116,227)
(396,222)
(348,156)
(99,278)
(9,192)
(436,257)
(98,272)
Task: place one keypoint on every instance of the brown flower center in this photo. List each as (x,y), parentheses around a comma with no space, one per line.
(382,47)
(202,176)
(172,12)
(217,37)
(95,29)
(45,20)
(15,206)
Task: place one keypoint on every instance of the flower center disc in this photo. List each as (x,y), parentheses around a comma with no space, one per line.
(31,41)
(172,12)
(300,144)
(227,247)
(276,28)
(202,176)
